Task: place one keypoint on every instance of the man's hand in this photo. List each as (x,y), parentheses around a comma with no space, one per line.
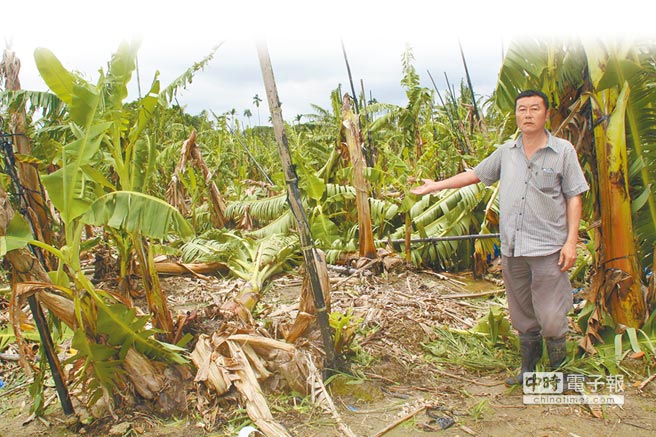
(567,256)
(429,186)
(458,181)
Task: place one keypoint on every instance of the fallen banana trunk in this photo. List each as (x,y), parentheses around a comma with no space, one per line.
(223,362)
(213,368)
(251,394)
(197,269)
(245,360)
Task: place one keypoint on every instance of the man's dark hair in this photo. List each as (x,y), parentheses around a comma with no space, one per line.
(533,93)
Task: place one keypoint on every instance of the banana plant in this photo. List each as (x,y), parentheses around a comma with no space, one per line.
(618,247)
(111,151)
(133,213)
(105,330)
(454,212)
(407,125)
(603,103)
(255,261)
(98,129)
(632,64)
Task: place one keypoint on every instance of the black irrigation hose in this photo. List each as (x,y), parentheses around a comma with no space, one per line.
(10,168)
(436,239)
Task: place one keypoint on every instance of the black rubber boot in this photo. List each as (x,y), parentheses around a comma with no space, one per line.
(557,350)
(530,347)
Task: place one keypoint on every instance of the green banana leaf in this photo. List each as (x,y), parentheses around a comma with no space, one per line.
(18,235)
(137,212)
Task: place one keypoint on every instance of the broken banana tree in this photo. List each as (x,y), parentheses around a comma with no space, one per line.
(175,193)
(257,263)
(109,339)
(24,167)
(354,142)
(618,249)
(240,358)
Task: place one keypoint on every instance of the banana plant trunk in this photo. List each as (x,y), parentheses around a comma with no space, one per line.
(618,251)
(312,259)
(30,184)
(25,267)
(218,204)
(191,152)
(354,143)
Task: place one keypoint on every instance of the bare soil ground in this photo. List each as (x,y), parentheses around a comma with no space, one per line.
(393,378)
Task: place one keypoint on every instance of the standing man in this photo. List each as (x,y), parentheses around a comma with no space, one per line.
(541,183)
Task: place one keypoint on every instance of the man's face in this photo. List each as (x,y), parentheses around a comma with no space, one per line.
(531,114)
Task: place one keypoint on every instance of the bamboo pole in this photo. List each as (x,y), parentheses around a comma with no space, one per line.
(310,255)
(469,82)
(348,69)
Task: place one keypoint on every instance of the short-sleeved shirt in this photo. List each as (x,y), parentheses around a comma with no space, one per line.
(533,194)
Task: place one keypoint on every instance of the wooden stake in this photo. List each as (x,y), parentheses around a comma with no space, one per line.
(294,199)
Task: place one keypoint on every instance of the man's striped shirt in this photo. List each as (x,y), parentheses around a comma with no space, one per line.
(533,193)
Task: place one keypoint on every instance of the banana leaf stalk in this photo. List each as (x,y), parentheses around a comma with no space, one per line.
(155,296)
(294,198)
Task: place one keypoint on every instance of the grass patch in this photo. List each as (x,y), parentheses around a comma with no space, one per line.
(472,350)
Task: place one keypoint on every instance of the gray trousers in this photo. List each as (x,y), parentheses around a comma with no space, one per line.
(539,294)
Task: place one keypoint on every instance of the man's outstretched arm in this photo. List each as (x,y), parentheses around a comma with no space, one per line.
(458,181)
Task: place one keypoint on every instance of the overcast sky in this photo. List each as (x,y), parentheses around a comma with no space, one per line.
(304,41)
